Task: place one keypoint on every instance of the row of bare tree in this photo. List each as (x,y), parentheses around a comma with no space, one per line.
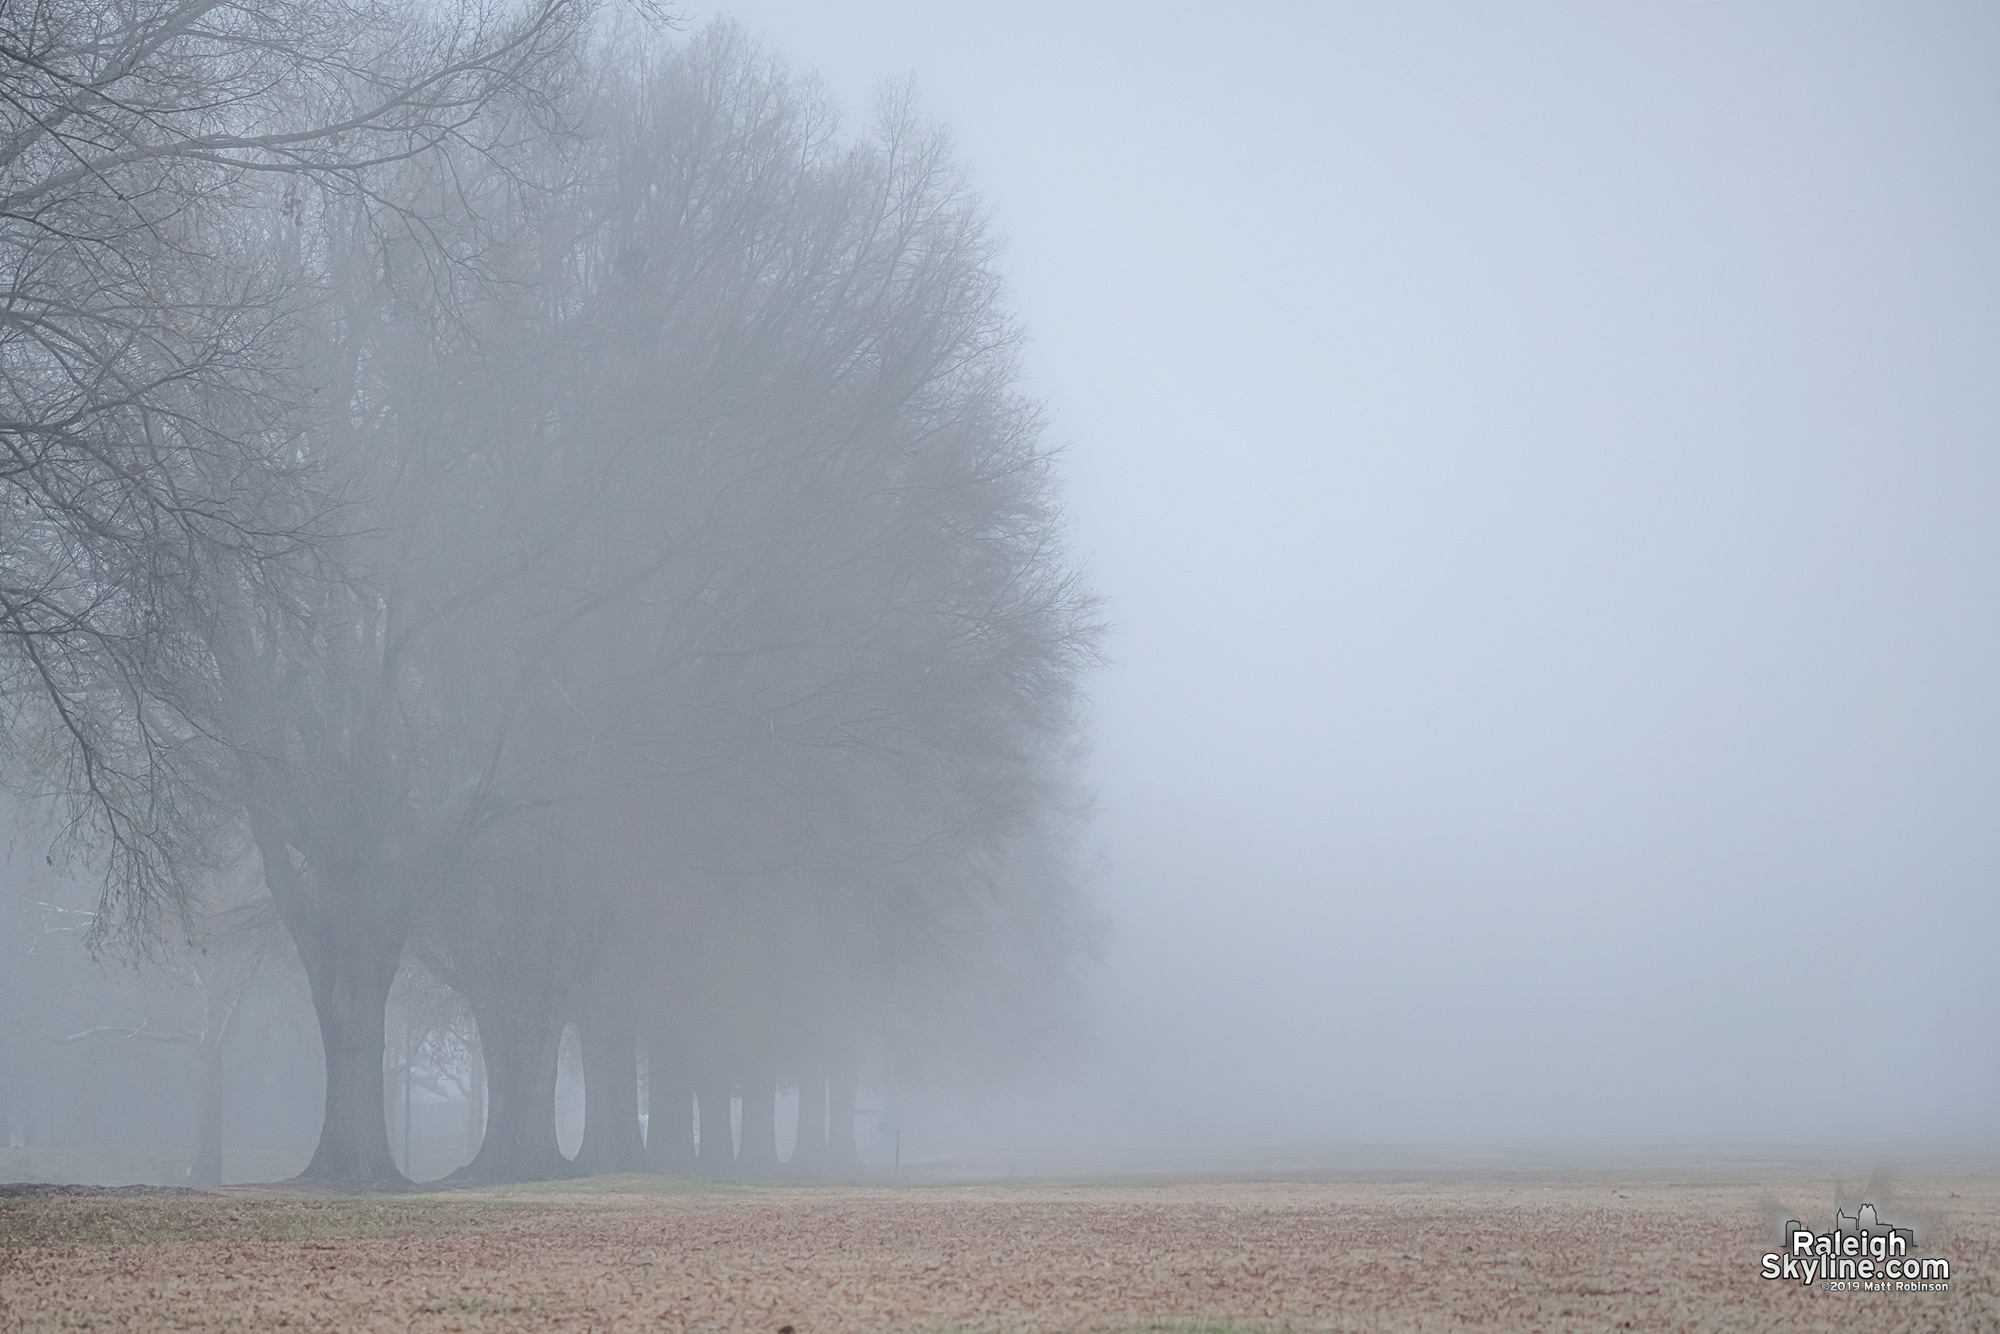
(571,512)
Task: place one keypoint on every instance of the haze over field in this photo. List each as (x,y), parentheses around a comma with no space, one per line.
(1541,464)
(774,589)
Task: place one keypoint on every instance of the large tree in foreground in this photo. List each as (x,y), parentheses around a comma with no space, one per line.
(157,158)
(607,548)
(181,183)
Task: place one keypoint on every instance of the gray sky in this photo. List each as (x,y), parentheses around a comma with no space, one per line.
(1541,460)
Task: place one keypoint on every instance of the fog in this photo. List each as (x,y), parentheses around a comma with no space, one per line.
(1540,464)
(1029,588)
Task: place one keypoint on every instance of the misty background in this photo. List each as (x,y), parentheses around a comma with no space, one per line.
(1537,464)
(1540,464)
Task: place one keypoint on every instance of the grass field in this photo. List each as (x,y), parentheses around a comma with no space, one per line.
(1550,1249)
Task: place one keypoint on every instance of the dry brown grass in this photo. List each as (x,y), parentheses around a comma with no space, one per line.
(1551,1251)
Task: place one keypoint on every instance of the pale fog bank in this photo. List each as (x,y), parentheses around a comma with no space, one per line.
(1540,462)
(790,591)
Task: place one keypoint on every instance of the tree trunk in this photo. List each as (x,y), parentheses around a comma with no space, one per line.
(841,1091)
(809,1149)
(349,975)
(207,1168)
(718,1154)
(669,1106)
(611,1138)
(350,958)
(759,1154)
(519,1043)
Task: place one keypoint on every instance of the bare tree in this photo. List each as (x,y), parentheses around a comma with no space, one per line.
(705,607)
(190,992)
(156,159)
(438,1054)
(517,944)
(415,121)
(835,672)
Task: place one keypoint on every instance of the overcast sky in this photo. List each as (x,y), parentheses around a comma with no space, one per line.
(1541,464)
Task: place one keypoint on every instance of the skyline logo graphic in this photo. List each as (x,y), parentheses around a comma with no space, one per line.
(1860,1253)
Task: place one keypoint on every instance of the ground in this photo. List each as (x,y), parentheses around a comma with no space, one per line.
(1545,1249)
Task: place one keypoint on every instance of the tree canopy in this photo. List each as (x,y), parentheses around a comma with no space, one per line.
(571,509)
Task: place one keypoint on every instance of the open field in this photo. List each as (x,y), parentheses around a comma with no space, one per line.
(1547,1249)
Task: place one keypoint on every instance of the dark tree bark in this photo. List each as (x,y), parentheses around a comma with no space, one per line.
(669,1106)
(350,964)
(758,1156)
(350,982)
(520,1042)
(349,973)
(516,950)
(611,1138)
